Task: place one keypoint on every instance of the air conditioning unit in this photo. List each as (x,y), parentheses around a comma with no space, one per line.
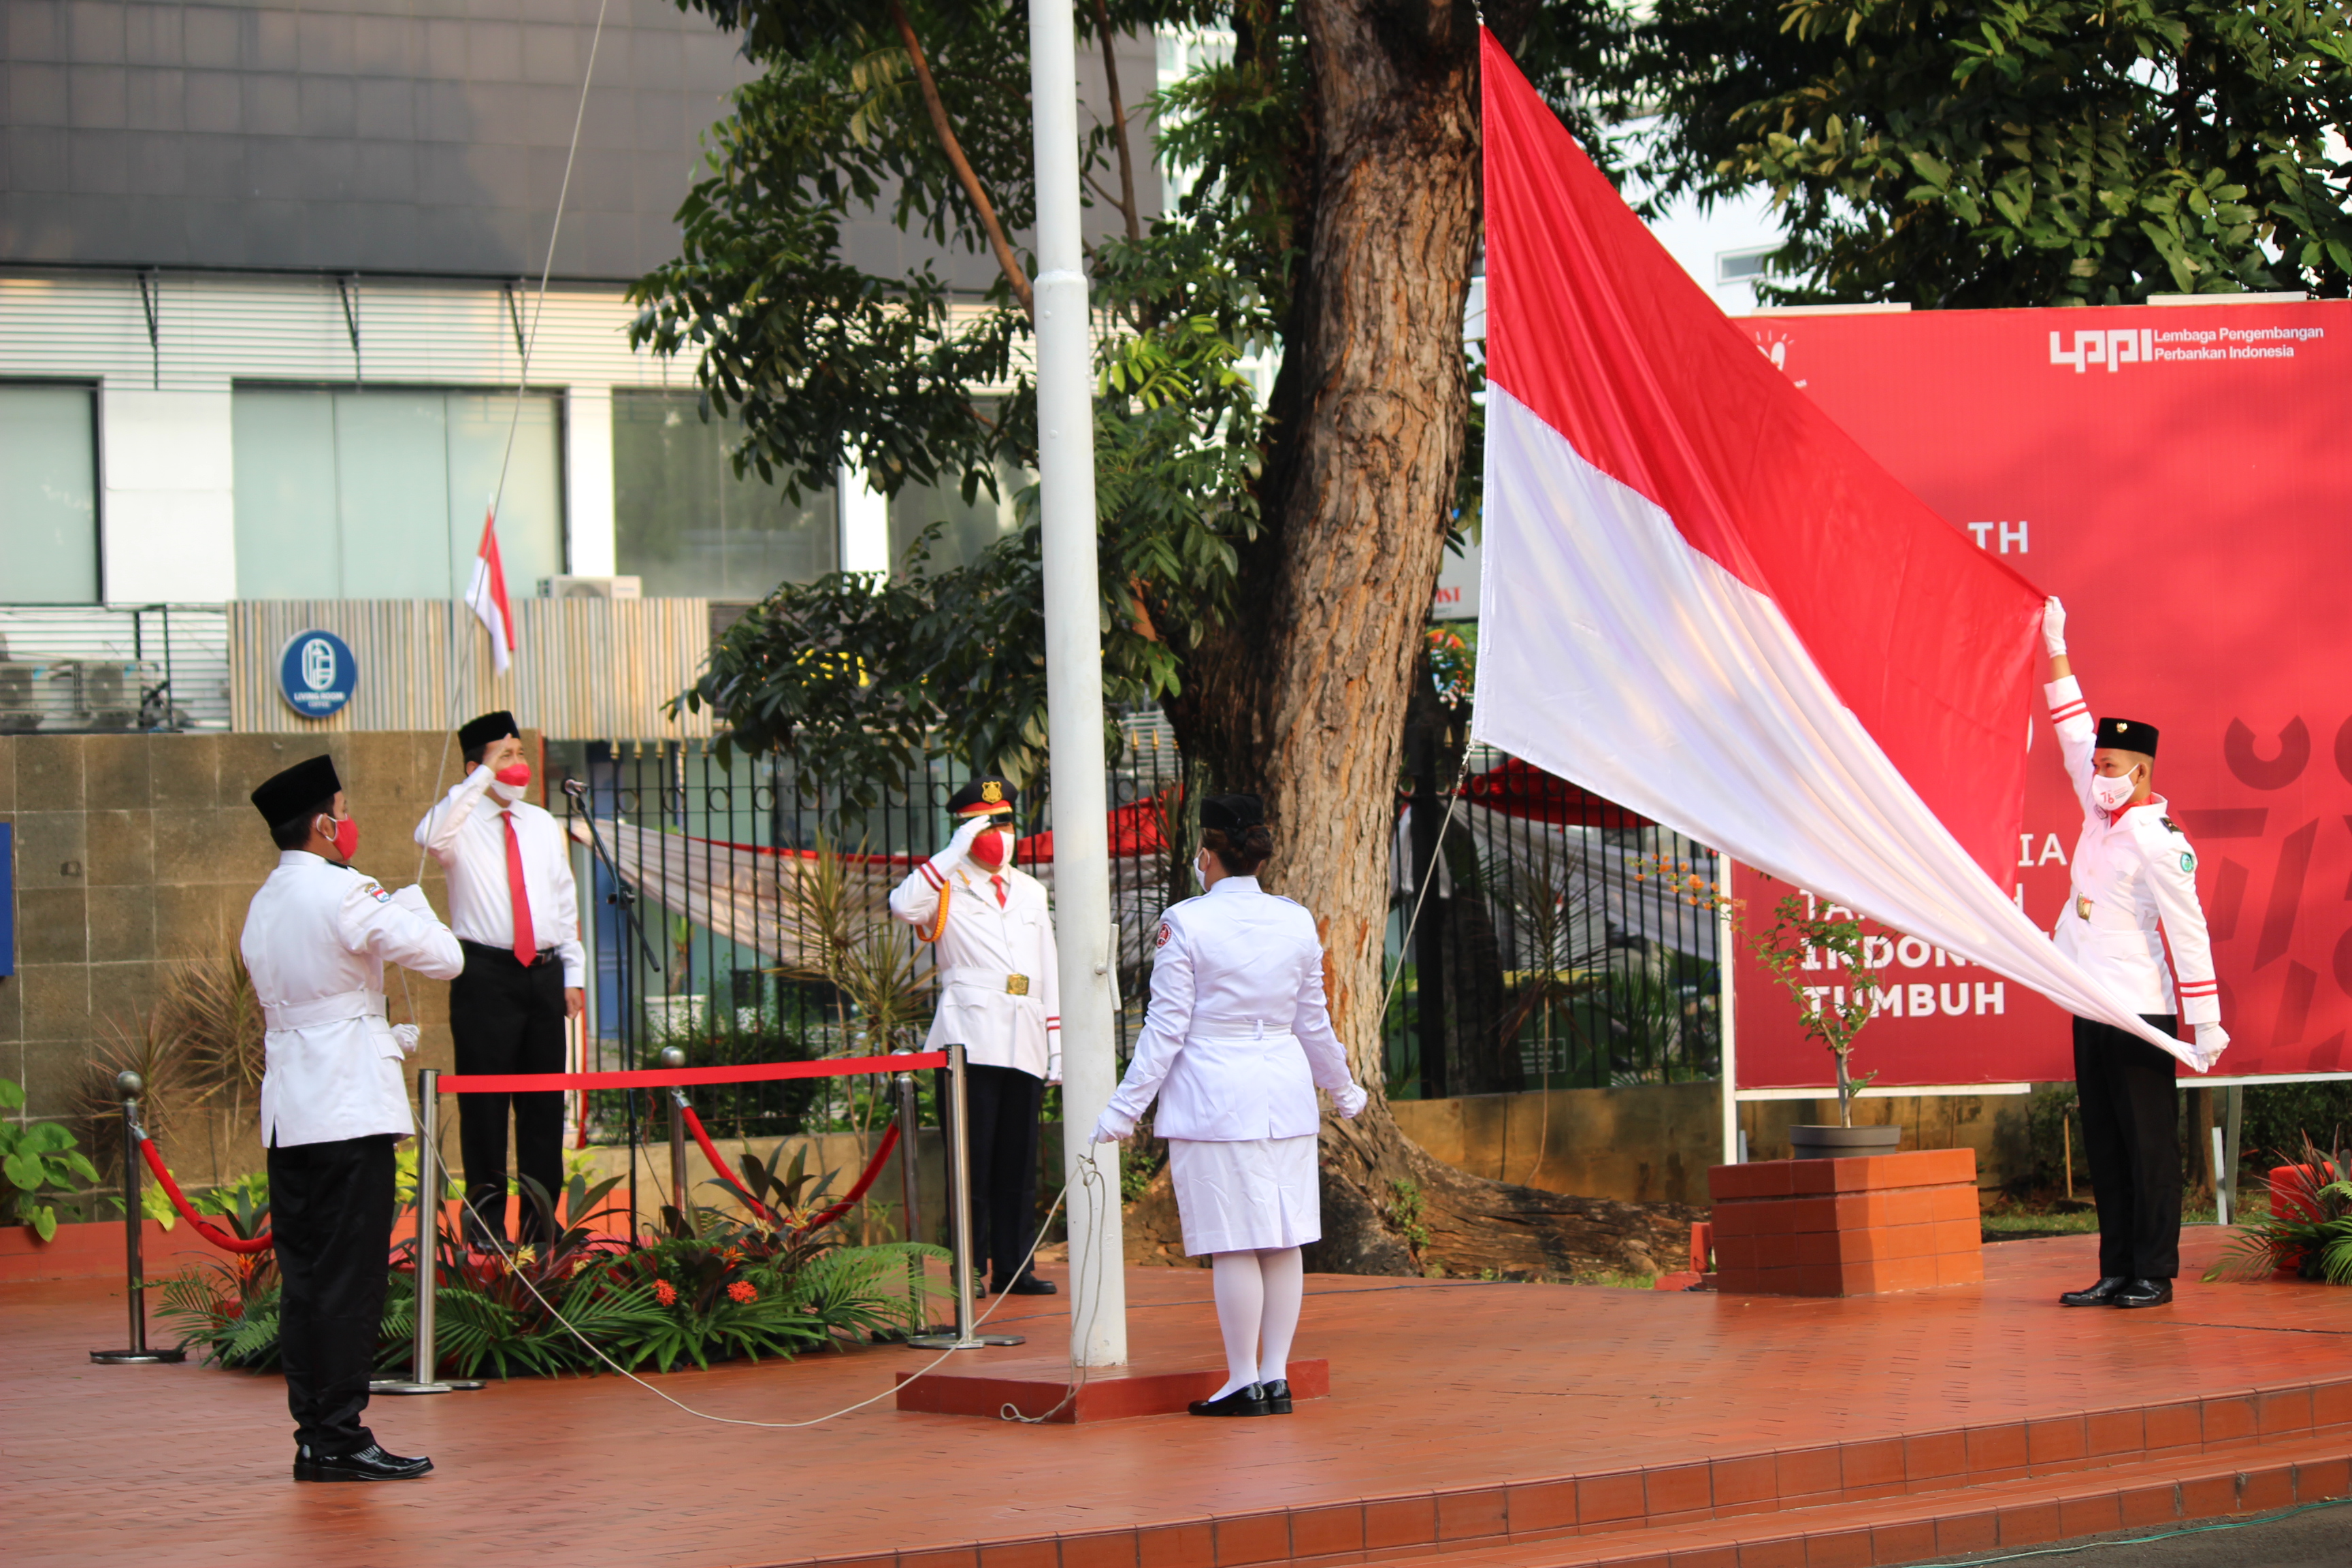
(591,588)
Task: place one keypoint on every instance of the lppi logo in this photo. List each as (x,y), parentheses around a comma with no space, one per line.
(2115,348)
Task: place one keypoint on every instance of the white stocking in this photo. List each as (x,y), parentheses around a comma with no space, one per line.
(1241,1304)
(1285,1277)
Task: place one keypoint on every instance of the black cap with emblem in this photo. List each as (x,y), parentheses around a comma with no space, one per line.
(1231,814)
(2126,735)
(991,795)
(489,726)
(303,787)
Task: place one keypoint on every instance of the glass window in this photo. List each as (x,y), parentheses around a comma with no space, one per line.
(688,526)
(379,493)
(971,526)
(48,496)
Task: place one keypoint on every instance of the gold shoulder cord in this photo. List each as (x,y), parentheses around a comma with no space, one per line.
(939,924)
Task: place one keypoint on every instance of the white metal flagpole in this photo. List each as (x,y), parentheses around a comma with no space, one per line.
(1727,936)
(1074,705)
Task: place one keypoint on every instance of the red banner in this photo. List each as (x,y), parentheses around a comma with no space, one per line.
(2177,475)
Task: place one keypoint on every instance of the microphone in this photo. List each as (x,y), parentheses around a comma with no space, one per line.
(575,788)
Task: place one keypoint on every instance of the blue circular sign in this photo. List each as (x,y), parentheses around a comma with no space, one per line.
(316,674)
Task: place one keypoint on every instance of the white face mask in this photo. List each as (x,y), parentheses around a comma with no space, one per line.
(1200,878)
(2113,793)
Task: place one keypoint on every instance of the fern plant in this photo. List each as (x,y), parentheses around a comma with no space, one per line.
(2307,1232)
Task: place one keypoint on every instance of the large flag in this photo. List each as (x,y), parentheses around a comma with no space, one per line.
(1701,599)
(486,595)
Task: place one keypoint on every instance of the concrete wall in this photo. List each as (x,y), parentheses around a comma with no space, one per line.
(1653,1142)
(135,852)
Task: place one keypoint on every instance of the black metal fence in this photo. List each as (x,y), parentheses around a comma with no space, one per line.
(1547,951)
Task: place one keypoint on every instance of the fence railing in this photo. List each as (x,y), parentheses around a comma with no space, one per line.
(92,669)
(1550,953)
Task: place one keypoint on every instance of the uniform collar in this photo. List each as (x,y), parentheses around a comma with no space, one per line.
(2155,800)
(304,858)
(1236,884)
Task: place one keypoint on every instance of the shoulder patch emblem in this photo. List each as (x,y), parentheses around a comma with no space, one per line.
(375,891)
(1165,932)
(2187,861)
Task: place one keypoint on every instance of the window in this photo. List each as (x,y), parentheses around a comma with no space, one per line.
(48,495)
(688,526)
(379,493)
(971,527)
(1743,266)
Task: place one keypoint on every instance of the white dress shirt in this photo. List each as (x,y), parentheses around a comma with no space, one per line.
(1238,1037)
(2132,868)
(317,937)
(1001,1021)
(467,833)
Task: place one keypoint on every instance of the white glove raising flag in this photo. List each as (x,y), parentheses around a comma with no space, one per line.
(1702,600)
(486,595)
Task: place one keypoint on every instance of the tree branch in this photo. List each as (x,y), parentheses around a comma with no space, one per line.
(1005,260)
(1118,124)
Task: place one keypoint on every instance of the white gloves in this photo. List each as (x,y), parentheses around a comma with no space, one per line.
(412,898)
(2212,1041)
(1113,1127)
(2054,627)
(406,1033)
(1351,1101)
(959,848)
(1053,1071)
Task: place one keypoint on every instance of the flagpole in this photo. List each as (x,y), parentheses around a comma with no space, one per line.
(1074,698)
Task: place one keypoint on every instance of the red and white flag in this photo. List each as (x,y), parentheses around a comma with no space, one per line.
(486,595)
(1702,600)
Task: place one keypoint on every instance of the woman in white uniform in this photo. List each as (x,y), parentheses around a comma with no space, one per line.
(1237,1041)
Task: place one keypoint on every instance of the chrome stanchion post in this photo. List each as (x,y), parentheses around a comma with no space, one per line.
(427,1358)
(672,1058)
(129,1085)
(960,1221)
(910,1176)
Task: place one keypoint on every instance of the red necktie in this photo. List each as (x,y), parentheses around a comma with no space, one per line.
(998,880)
(526,941)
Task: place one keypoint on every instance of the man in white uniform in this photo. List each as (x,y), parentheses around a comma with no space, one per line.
(993,935)
(2133,870)
(316,940)
(516,915)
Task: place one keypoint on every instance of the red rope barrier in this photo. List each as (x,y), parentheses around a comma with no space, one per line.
(824,1217)
(663,1078)
(210,1232)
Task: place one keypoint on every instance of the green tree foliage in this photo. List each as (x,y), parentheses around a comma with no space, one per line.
(2019,153)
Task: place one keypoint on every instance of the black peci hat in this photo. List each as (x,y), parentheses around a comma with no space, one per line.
(489,726)
(1232,813)
(991,795)
(285,796)
(2126,735)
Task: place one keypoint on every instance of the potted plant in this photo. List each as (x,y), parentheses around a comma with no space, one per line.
(1831,1013)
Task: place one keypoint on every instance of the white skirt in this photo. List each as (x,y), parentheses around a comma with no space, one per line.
(1251,1196)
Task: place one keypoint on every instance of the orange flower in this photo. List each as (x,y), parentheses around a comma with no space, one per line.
(665,1292)
(742,1294)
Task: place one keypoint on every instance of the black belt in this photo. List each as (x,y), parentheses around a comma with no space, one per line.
(472,949)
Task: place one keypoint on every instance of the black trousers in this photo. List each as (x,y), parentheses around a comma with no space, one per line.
(331,1209)
(505,1018)
(2131,1138)
(1001,1130)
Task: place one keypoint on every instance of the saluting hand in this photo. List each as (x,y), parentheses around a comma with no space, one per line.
(959,848)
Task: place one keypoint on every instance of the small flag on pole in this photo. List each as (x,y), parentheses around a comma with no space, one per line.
(486,595)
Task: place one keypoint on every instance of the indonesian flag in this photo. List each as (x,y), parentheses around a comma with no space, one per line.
(486,594)
(1702,600)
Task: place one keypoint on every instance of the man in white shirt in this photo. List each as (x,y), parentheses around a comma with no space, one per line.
(2133,872)
(993,934)
(516,915)
(316,939)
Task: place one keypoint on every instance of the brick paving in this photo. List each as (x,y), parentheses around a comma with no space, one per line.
(1516,1425)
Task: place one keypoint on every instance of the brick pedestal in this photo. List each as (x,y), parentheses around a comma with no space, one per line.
(1847,1227)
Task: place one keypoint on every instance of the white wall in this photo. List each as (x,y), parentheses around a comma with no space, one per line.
(588,546)
(167,513)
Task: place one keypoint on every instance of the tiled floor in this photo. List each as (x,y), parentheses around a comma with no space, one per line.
(1458,1412)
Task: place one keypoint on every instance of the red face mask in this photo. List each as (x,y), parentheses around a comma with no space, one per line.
(347,837)
(514,775)
(989,848)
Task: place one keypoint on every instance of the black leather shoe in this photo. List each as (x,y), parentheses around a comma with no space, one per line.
(1250,1401)
(1277,1397)
(2098,1295)
(368,1463)
(1029,1285)
(2143,1293)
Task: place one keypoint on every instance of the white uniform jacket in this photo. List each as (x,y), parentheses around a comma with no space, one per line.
(1238,1037)
(466,835)
(2132,868)
(1000,986)
(317,937)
